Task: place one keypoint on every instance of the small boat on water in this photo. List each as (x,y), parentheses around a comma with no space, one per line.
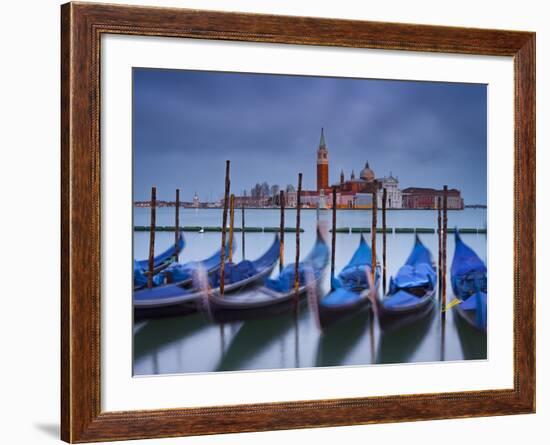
(160,262)
(347,296)
(182,274)
(411,291)
(277,295)
(172,299)
(469,282)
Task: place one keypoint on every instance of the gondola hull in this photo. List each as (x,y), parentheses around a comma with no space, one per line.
(476,319)
(268,304)
(468,316)
(399,317)
(186,308)
(331,315)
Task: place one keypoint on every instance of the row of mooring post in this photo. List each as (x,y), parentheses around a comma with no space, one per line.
(442,221)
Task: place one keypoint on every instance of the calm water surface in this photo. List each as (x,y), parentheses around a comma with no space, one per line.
(192,344)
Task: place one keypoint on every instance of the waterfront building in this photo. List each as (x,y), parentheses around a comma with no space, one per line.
(290,196)
(309,199)
(345,200)
(196,202)
(394,197)
(252,201)
(426,198)
(366,183)
(363,201)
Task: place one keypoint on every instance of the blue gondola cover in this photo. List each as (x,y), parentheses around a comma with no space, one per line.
(316,261)
(418,273)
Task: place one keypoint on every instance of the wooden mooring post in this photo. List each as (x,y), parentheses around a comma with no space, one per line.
(333,245)
(177,224)
(231,223)
(152,237)
(373,235)
(282,231)
(224,226)
(444,253)
(297,262)
(384,199)
(242,231)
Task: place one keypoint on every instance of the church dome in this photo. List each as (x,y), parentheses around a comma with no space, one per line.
(367,174)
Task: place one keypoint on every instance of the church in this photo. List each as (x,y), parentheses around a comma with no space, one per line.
(352,193)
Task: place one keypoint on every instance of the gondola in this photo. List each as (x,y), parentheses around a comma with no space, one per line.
(160,262)
(174,299)
(277,295)
(182,274)
(411,291)
(469,282)
(348,289)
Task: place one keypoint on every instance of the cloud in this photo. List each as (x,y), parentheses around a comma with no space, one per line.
(186,123)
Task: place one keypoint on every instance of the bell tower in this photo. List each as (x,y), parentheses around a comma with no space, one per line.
(322,163)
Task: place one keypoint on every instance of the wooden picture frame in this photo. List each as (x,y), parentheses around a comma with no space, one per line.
(82,26)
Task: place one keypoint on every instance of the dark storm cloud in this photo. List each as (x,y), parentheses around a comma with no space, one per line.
(186,123)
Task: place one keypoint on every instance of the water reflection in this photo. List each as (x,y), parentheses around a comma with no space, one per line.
(472,341)
(264,344)
(336,344)
(399,341)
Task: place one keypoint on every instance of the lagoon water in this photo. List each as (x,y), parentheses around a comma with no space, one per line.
(191,343)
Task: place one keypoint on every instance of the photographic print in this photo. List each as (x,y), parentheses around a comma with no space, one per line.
(285,221)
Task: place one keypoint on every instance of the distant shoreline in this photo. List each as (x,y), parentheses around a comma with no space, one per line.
(305,208)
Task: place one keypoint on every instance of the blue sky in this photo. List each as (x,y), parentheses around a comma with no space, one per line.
(187,123)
